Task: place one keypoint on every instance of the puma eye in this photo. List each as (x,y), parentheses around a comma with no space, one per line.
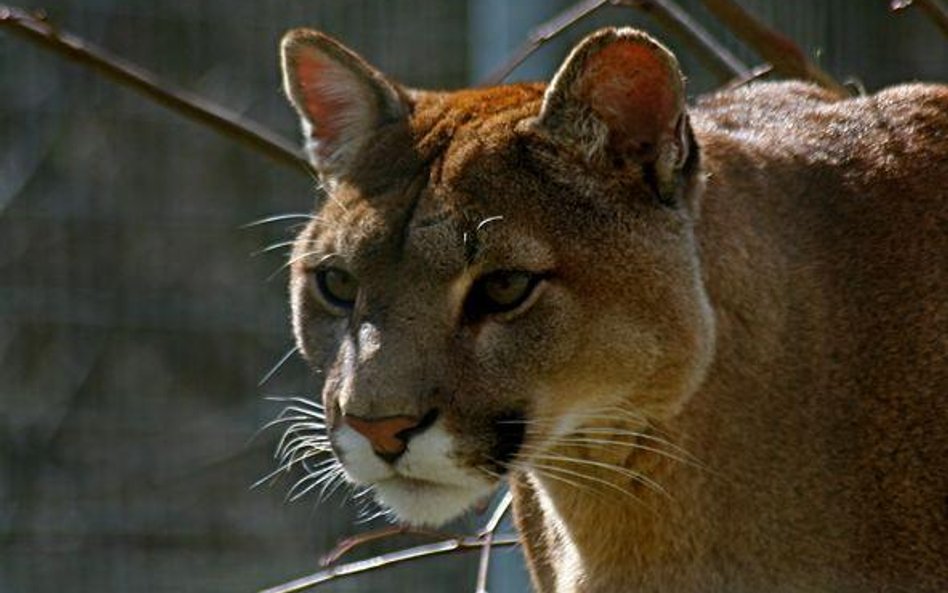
(500,292)
(337,287)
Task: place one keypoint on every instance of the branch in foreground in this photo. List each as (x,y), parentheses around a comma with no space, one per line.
(350,543)
(543,34)
(39,31)
(780,51)
(449,546)
(488,534)
(933,8)
(669,15)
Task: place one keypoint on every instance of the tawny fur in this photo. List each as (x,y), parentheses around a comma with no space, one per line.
(784,324)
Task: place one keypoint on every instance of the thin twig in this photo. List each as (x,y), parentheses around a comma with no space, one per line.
(671,17)
(449,546)
(350,543)
(542,34)
(756,73)
(38,30)
(933,8)
(483,569)
(780,51)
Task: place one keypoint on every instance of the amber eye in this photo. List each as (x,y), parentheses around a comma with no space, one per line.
(337,287)
(500,292)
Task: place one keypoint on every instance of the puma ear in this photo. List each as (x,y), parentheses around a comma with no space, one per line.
(619,97)
(340,98)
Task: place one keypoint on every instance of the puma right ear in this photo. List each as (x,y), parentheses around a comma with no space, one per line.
(619,97)
(341,100)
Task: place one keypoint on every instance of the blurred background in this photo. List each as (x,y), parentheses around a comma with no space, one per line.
(136,321)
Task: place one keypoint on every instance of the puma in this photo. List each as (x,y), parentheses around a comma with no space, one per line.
(706,346)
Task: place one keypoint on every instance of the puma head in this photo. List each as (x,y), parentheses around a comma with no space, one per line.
(493,269)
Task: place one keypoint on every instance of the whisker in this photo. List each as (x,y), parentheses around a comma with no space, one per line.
(273,247)
(645,436)
(280,244)
(632,475)
(308,413)
(585,441)
(295,399)
(284,468)
(281,420)
(278,420)
(550,422)
(489,472)
(286,439)
(297,258)
(281,218)
(595,479)
(544,470)
(329,488)
(487,221)
(277,366)
(300,444)
(296,492)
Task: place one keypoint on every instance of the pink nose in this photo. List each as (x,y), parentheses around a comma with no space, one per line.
(389,436)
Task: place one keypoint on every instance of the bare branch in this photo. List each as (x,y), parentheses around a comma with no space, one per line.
(784,55)
(350,543)
(756,73)
(450,546)
(488,534)
(670,16)
(935,10)
(38,30)
(542,34)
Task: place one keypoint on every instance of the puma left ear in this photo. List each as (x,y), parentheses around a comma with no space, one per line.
(340,98)
(619,97)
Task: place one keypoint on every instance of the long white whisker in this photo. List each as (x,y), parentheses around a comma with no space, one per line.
(296,399)
(290,451)
(297,258)
(632,475)
(586,441)
(309,413)
(644,436)
(580,475)
(545,470)
(284,468)
(284,440)
(295,493)
(277,366)
(281,218)
(281,420)
(329,488)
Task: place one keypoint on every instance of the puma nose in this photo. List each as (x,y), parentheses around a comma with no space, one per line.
(389,436)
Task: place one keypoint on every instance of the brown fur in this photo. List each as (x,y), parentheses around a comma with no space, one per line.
(770,317)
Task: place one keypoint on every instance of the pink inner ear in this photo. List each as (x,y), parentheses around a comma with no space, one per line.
(632,90)
(325,106)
